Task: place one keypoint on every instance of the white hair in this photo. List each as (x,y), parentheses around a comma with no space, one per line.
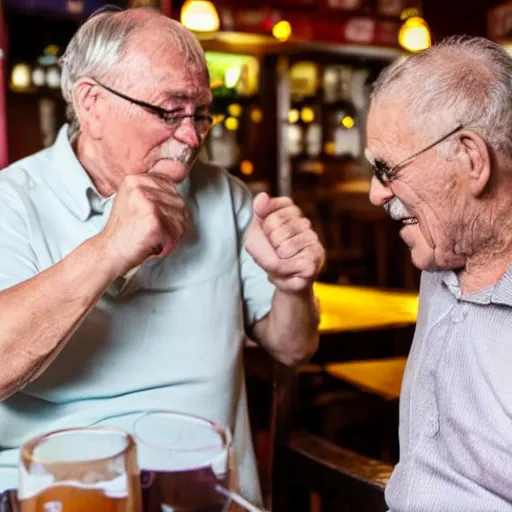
(100,44)
(462,79)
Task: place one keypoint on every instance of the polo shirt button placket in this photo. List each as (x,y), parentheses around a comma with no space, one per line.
(459,314)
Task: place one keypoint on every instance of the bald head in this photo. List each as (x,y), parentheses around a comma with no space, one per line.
(155,32)
(464,80)
(116,42)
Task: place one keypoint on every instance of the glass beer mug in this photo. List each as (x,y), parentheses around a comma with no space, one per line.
(80,470)
(184,461)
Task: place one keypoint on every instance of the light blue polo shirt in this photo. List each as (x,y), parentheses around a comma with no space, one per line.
(171,340)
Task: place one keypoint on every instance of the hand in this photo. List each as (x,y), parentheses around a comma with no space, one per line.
(148,219)
(283,244)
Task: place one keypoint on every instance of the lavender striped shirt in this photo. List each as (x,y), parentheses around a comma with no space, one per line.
(456,402)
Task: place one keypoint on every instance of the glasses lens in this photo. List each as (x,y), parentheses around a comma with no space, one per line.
(381,172)
(203,125)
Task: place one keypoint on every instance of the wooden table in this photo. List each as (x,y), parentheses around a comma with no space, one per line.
(359,308)
(382,377)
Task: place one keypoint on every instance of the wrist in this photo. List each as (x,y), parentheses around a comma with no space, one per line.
(110,264)
(293,286)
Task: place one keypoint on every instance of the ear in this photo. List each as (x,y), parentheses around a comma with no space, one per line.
(477,159)
(88,106)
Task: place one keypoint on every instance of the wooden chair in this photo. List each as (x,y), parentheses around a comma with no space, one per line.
(301,465)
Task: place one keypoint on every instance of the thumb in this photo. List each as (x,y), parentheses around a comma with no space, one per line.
(260,205)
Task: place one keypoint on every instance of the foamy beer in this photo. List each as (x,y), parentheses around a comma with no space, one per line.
(183,460)
(80,470)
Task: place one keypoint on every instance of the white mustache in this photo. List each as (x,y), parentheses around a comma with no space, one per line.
(173,150)
(396,209)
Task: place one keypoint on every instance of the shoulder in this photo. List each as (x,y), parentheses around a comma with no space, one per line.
(20,177)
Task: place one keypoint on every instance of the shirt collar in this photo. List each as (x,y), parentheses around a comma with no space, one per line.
(74,184)
(500,293)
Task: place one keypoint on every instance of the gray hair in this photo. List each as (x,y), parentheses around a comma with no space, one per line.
(462,79)
(100,44)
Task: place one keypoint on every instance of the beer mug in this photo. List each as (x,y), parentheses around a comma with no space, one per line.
(185,461)
(80,470)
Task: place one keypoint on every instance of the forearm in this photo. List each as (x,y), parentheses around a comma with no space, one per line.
(38,316)
(290,331)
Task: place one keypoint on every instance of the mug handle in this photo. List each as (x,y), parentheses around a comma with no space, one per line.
(9,501)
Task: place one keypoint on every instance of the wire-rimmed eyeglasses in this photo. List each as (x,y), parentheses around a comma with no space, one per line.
(385,174)
(202,122)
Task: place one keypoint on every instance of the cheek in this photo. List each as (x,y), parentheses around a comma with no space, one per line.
(433,208)
(140,147)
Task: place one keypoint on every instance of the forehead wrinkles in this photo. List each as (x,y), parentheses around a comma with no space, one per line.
(390,136)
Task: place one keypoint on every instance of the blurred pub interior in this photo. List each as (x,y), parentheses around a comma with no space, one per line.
(291,82)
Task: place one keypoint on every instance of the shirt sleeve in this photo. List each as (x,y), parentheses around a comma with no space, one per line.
(257,290)
(17,259)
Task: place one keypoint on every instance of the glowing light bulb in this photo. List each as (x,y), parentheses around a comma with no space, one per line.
(246,167)
(282,30)
(293,116)
(21,76)
(414,34)
(348,122)
(307,114)
(200,16)
(231,123)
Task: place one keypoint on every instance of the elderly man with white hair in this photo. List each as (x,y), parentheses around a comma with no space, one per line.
(440,140)
(129,272)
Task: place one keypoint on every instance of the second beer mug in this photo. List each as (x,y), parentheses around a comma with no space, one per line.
(80,470)
(183,461)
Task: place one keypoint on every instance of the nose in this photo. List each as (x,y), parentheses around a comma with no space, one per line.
(379,194)
(187,133)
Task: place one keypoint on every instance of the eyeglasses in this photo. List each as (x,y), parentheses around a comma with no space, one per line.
(385,174)
(202,122)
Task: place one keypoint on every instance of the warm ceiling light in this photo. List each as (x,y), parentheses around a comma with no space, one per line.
(414,34)
(200,16)
(21,76)
(231,123)
(293,116)
(256,115)
(246,167)
(282,30)
(307,114)
(348,122)
(235,110)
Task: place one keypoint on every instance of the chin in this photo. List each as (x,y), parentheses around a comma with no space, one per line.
(423,261)
(176,171)
(431,261)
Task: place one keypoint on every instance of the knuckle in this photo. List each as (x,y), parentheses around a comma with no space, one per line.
(305,223)
(153,224)
(284,250)
(296,211)
(309,270)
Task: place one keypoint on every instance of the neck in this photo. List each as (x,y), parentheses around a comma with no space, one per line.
(487,266)
(96,167)
(473,279)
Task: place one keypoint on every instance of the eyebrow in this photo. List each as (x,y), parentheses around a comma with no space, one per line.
(384,165)
(369,156)
(376,161)
(184,96)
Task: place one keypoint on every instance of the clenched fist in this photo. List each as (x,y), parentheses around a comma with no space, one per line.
(148,219)
(283,244)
